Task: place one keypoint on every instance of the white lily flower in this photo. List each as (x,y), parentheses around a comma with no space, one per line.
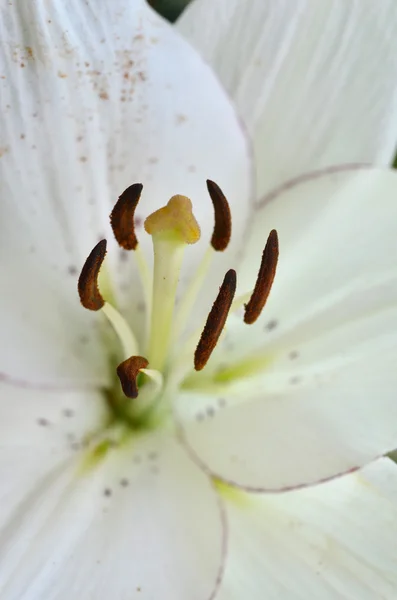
(153,496)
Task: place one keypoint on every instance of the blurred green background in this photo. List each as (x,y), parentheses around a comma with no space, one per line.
(170,9)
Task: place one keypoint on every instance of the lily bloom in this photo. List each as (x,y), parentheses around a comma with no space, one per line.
(213,425)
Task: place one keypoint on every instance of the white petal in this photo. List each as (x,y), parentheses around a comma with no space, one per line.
(285,440)
(313,81)
(39,433)
(337,240)
(145,521)
(335,541)
(325,403)
(96,98)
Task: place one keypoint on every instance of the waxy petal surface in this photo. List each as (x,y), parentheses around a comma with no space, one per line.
(96,97)
(109,521)
(314,81)
(325,401)
(334,542)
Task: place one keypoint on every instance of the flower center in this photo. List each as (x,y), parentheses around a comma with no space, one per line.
(149,374)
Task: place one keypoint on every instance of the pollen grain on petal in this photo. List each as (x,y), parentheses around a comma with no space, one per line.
(90,296)
(264,282)
(122,217)
(223,218)
(216,320)
(128,371)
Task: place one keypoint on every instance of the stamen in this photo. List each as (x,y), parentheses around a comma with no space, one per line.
(189,297)
(216,320)
(156,378)
(219,241)
(90,296)
(122,217)
(264,281)
(223,218)
(128,371)
(149,394)
(122,329)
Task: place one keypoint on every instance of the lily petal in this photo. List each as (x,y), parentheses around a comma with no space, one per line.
(325,402)
(313,81)
(334,542)
(336,229)
(144,519)
(96,98)
(279,441)
(40,431)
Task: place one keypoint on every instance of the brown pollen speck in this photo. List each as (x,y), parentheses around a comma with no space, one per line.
(180,119)
(271,325)
(68,413)
(72,270)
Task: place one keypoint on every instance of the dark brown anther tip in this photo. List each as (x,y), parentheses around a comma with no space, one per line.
(128,371)
(216,320)
(122,217)
(264,282)
(223,218)
(90,296)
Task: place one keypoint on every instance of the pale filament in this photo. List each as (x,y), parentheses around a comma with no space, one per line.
(145,275)
(190,296)
(122,329)
(148,393)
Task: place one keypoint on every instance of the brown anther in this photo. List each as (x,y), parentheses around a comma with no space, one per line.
(122,217)
(128,372)
(264,280)
(223,218)
(216,320)
(90,296)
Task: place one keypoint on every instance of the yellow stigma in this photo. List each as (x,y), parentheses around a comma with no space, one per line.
(176,219)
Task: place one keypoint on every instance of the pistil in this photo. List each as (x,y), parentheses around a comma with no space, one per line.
(172,228)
